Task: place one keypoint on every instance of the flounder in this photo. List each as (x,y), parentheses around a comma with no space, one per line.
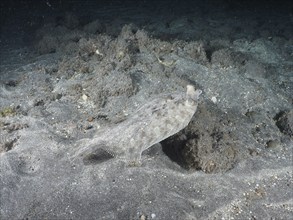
(155,121)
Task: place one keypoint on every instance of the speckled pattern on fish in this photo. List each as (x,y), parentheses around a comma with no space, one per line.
(153,122)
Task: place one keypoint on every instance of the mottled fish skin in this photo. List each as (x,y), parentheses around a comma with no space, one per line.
(150,124)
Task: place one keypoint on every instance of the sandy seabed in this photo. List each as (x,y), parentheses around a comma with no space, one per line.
(77,73)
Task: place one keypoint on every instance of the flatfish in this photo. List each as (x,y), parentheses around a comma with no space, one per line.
(153,122)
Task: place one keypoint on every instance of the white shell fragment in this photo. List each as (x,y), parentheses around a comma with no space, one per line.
(153,122)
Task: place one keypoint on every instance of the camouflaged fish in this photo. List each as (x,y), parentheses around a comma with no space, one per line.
(153,122)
